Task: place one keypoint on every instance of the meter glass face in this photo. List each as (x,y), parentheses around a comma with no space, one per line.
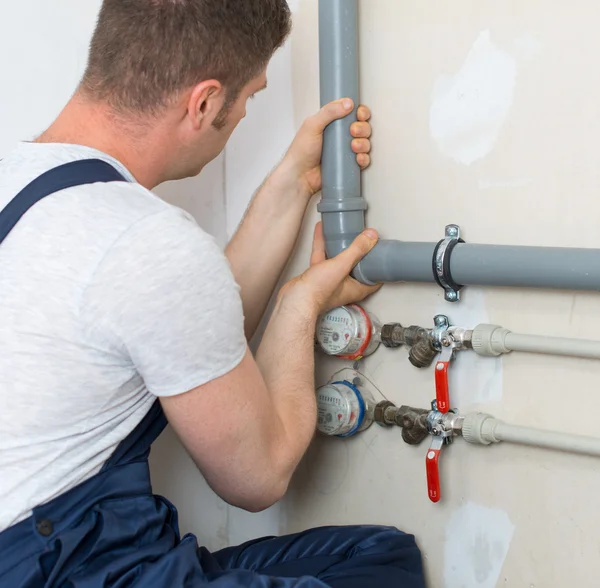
(338,410)
(336,331)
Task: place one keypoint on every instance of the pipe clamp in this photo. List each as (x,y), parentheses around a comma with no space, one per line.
(441,263)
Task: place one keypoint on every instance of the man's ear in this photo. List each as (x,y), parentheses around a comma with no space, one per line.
(205,103)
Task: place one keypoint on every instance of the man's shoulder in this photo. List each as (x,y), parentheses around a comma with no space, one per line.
(116,201)
(117,204)
(86,220)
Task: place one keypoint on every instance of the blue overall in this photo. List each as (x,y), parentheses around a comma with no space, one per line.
(111,531)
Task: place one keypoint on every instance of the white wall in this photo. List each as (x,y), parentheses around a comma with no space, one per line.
(485,114)
(43,47)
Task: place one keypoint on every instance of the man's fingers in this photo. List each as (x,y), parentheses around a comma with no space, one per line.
(329,113)
(358,249)
(361,130)
(363,113)
(318,248)
(361,145)
(363,160)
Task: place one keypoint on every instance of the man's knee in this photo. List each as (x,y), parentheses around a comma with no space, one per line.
(346,556)
(362,539)
(375,556)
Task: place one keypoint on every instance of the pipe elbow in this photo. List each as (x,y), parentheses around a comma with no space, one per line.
(358,273)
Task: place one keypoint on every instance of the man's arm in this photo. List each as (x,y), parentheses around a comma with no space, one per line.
(262,245)
(248,430)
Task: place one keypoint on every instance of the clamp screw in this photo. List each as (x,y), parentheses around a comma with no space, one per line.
(440,320)
(451,296)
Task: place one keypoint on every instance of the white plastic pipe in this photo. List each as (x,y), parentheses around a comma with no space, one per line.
(484,429)
(553,345)
(492,340)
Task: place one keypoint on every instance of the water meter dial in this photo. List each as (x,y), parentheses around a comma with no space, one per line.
(343,409)
(349,332)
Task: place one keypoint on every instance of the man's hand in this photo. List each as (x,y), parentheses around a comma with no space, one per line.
(278,208)
(327,283)
(302,162)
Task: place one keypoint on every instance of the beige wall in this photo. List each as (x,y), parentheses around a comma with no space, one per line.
(485,114)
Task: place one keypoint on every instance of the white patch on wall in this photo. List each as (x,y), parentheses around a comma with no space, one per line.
(469,109)
(477,543)
(472,379)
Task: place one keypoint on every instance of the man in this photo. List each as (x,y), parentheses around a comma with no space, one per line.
(111,298)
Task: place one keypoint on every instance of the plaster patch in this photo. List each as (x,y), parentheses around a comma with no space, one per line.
(477,543)
(472,379)
(469,109)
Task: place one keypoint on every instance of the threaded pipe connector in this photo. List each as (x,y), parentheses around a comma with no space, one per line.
(392,335)
(422,354)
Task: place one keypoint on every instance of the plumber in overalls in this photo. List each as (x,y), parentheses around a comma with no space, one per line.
(119,314)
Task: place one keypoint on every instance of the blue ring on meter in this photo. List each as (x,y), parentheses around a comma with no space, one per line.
(361,405)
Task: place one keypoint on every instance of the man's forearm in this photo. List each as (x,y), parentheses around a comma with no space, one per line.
(285,358)
(261,247)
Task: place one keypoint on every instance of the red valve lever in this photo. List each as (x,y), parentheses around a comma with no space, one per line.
(432,468)
(442,393)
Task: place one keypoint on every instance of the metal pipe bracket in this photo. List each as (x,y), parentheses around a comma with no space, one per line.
(441,263)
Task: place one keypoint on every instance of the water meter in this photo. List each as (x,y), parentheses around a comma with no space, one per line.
(343,409)
(349,332)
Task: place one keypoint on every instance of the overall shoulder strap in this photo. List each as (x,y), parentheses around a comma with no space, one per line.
(68,175)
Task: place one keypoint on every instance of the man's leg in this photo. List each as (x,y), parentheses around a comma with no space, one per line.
(341,557)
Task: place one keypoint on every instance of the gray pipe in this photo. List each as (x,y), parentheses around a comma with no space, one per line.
(486,265)
(342,205)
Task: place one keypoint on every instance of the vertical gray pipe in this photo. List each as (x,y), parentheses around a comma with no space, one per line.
(342,205)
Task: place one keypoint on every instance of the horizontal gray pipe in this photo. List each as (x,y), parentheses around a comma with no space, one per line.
(486,265)
(342,205)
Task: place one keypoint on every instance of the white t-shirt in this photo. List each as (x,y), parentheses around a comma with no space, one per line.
(109,297)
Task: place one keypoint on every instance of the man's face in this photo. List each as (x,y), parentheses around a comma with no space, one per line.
(206,144)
